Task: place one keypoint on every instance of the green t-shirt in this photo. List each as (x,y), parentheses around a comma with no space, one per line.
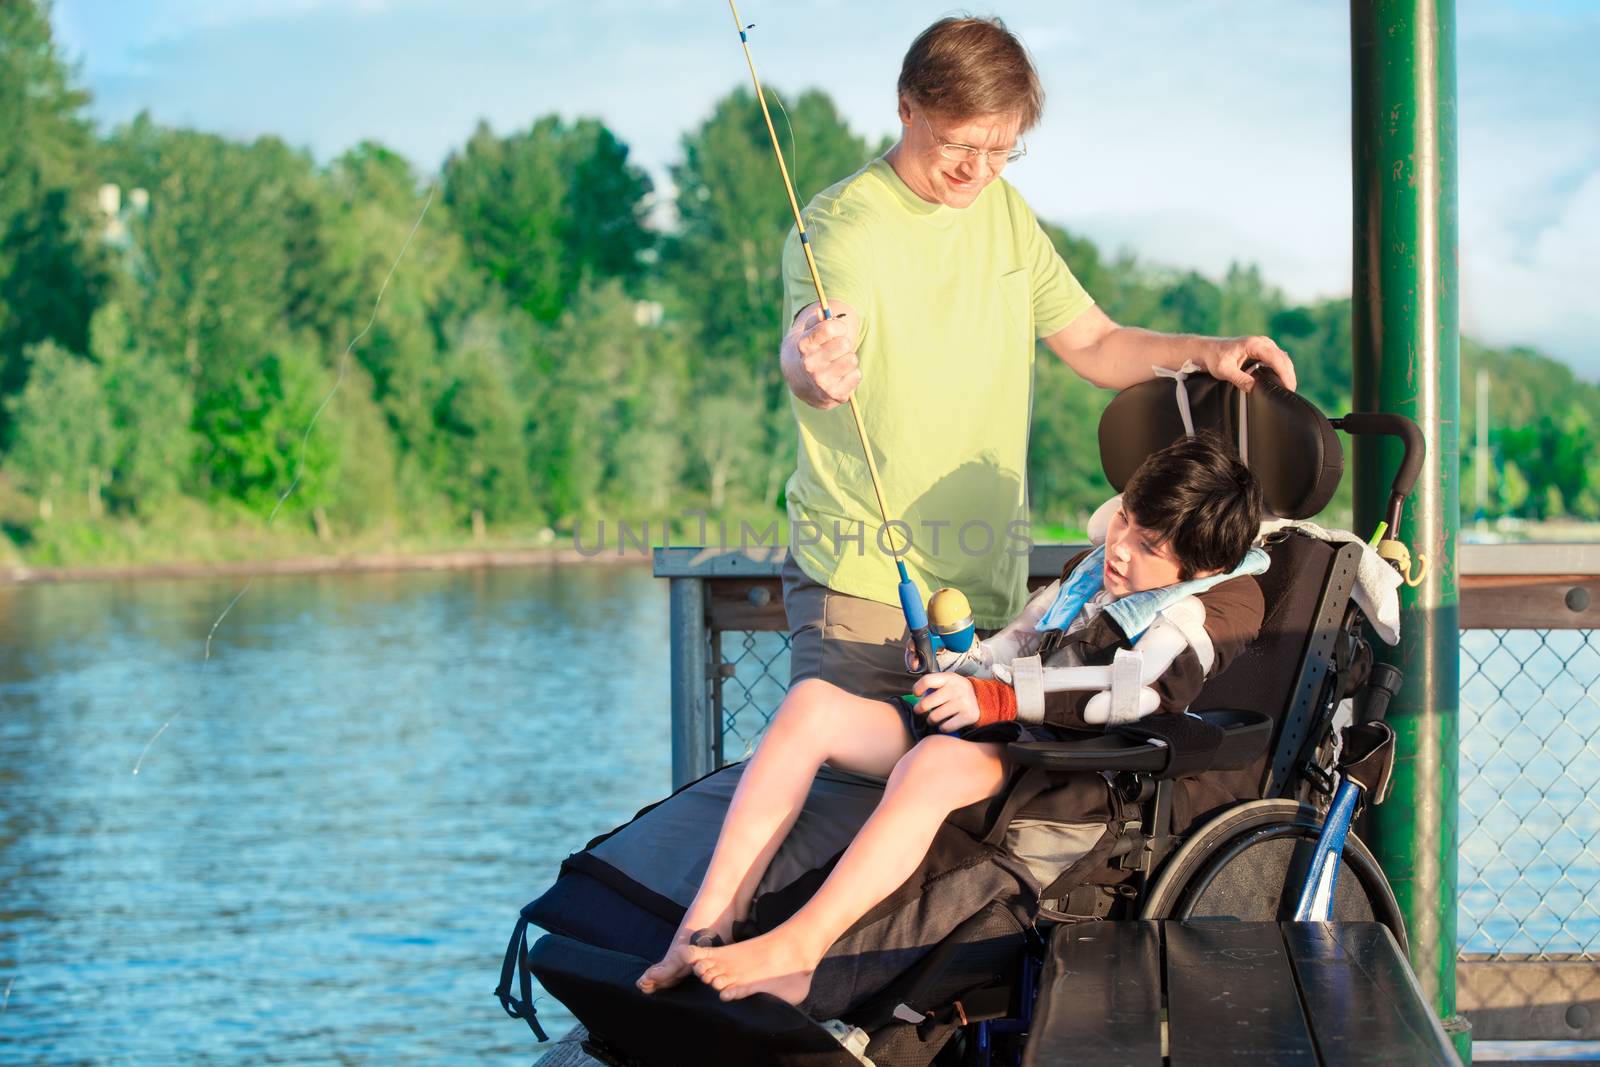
(951,303)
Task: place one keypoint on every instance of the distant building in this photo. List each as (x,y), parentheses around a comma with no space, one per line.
(114,214)
(647,312)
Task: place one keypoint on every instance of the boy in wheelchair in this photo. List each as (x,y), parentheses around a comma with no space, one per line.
(1132,630)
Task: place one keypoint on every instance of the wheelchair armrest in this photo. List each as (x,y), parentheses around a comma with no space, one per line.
(1107,752)
(1245,735)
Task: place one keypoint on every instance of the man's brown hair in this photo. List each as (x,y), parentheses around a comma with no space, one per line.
(966,67)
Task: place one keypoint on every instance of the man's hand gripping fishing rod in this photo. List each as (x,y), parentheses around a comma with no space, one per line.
(923,639)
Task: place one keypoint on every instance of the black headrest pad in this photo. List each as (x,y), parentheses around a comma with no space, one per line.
(1292,447)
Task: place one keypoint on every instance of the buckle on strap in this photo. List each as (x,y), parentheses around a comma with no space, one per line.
(516,961)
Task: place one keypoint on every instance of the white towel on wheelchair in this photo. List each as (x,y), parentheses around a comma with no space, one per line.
(1377,588)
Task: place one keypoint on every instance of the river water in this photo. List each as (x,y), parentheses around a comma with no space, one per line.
(323,856)
(324,853)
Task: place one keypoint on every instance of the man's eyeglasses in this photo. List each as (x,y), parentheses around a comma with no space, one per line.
(962,153)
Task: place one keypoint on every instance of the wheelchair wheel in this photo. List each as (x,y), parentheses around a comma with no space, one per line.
(1250,862)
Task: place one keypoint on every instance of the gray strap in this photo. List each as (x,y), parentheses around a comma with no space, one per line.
(1126,681)
(1181,391)
(1244,429)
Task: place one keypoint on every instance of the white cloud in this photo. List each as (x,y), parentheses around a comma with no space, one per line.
(1515,289)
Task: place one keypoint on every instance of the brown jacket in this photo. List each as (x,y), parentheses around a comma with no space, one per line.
(1229,613)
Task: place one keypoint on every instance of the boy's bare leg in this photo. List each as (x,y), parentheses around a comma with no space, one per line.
(939,775)
(817,723)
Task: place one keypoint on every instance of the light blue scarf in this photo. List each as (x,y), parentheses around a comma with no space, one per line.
(1136,611)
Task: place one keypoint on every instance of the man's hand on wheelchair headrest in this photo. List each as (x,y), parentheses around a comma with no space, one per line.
(1227,359)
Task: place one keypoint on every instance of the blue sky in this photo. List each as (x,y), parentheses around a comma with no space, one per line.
(1194,132)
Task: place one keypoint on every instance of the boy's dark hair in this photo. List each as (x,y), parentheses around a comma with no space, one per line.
(1196,496)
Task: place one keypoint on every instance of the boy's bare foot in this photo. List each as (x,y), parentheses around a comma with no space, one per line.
(675,965)
(773,963)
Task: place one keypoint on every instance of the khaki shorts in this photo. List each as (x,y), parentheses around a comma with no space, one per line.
(858,645)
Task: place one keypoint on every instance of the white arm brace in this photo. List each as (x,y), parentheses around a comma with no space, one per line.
(1124,691)
(1020,638)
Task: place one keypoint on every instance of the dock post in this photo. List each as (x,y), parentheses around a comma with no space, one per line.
(695,740)
(1407,361)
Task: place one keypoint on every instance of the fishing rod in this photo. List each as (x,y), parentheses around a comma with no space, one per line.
(923,639)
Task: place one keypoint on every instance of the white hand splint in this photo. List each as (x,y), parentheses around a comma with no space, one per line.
(1124,691)
(1020,638)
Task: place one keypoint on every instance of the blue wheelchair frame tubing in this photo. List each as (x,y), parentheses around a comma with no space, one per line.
(1316,896)
(984,1032)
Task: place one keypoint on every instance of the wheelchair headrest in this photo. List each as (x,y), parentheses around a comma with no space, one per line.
(1282,437)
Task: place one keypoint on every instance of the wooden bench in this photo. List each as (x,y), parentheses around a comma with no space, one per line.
(1215,992)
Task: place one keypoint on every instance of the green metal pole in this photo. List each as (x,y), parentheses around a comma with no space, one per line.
(1407,361)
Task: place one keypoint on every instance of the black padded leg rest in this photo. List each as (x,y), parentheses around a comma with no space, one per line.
(685,1025)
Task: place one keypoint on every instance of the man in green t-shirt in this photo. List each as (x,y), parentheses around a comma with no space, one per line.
(940,281)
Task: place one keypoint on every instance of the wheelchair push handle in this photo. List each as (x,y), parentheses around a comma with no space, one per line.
(1380,423)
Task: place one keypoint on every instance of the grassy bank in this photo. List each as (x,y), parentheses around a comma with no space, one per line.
(190,538)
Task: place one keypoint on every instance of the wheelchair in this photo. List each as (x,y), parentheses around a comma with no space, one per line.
(1248,825)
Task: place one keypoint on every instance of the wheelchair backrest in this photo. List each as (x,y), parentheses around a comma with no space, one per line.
(1286,670)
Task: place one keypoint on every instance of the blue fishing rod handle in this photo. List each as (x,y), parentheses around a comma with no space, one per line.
(911,605)
(916,614)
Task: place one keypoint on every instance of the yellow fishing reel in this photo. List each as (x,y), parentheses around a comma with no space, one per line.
(950,619)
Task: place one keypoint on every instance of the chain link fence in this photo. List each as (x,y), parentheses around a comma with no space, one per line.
(1530,759)
(753,668)
(1530,819)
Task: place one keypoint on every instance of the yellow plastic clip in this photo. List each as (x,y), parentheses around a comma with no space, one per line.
(1399,557)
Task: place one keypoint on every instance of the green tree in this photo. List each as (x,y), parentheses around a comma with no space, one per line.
(1065,480)
(1318,339)
(1247,304)
(1189,303)
(61,432)
(374,202)
(151,446)
(210,253)
(543,210)
(646,456)
(363,479)
(257,438)
(479,449)
(50,269)
(604,399)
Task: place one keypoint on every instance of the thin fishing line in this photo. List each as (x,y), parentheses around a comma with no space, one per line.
(794,153)
(300,462)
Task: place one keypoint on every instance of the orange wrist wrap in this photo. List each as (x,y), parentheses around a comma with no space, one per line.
(997,701)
